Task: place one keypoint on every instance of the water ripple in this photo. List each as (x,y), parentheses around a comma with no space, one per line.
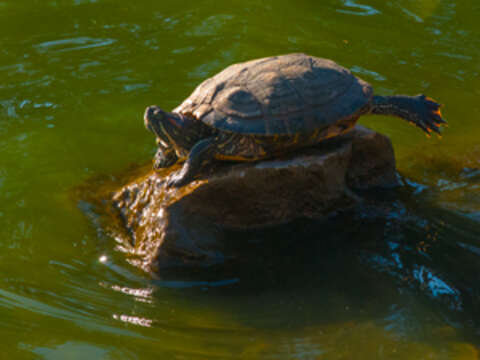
(211,25)
(369,73)
(411,14)
(455,56)
(15,301)
(183,50)
(64,45)
(360,9)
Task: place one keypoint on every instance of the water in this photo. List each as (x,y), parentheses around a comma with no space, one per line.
(76,76)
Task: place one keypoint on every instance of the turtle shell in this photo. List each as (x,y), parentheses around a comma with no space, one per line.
(281,95)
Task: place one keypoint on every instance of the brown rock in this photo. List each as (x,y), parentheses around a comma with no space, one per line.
(177,226)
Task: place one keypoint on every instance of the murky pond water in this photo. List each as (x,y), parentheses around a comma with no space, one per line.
(76,76)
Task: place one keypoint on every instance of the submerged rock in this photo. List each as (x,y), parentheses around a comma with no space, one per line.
(169,226)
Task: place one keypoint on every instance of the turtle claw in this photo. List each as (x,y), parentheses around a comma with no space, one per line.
(432,104)
(435,128)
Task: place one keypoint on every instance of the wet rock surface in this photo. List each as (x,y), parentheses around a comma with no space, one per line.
(164,227)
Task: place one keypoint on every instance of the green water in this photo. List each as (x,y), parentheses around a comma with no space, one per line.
(75,77)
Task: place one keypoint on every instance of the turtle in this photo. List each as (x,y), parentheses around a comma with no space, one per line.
(266,107)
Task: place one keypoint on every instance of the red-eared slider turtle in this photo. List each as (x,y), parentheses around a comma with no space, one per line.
(266,107)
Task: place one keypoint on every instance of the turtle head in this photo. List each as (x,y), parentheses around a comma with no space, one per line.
(175,131)
(166,126)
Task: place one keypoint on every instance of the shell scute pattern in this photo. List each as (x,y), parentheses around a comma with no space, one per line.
(277,96)
(281,95)
(238,101)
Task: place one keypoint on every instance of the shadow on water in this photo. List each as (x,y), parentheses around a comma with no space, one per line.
(409,264)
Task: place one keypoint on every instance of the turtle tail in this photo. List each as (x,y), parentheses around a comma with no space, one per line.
(419,110)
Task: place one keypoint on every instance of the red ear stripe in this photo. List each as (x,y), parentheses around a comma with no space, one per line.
(173,121)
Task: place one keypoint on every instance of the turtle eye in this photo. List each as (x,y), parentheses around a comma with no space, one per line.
(154,111)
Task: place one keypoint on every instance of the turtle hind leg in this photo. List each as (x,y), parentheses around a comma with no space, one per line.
(201,154)
(420,110)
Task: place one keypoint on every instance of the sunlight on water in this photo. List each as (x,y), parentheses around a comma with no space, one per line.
(135,320)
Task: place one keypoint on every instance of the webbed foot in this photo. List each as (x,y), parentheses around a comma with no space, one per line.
(428,116)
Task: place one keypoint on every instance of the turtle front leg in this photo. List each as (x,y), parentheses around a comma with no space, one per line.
(200,155)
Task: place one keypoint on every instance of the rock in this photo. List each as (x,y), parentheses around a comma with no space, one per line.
(166,227)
